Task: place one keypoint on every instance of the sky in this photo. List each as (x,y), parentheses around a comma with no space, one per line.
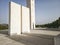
(46,11)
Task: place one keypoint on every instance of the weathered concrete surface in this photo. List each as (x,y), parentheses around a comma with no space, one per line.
(33,40)
(45,32)
(4,40)
(26,39)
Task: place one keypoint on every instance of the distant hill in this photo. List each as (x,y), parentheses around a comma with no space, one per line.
(54,24)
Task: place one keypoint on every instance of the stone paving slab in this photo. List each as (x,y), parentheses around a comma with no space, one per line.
(5,40)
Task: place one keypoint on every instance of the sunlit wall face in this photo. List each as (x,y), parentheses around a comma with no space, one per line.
(47,11)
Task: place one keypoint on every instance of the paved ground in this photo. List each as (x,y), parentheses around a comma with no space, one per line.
(46,32)
(25,39)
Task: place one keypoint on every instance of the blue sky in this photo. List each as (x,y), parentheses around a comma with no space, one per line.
(46,10)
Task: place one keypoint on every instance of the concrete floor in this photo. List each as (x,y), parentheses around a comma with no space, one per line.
(46,32)
(26,39)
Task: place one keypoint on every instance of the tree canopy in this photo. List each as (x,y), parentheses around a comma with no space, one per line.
(54,24)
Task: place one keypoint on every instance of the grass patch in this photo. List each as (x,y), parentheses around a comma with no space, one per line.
(3,26)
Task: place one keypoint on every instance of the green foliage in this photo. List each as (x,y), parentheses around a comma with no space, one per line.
(54,24)
(3,26)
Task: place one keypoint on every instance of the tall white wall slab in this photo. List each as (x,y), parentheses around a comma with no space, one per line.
(19,19)
(15,19)
(25,20)
(31,6)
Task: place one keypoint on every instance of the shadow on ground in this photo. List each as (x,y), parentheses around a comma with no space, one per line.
(31,39)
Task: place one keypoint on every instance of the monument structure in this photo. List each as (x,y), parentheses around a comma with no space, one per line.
(31,6)
(21,18)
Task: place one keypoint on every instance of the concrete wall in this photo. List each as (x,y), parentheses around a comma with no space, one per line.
(19,19)
(32,14)
(25,20)
(31,6)
(15,19)
(57,40)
